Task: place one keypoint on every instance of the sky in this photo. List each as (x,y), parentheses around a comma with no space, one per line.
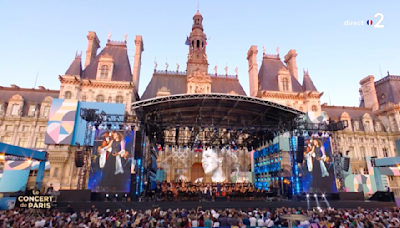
(40,38)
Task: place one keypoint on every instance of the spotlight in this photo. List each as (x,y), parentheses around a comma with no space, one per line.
(116,195)
(107,195)
(126,195)
(307,196)
(323,195)
(315,195)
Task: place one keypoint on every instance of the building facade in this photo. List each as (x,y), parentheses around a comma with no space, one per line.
(373,126)
(23,119)
(106,77)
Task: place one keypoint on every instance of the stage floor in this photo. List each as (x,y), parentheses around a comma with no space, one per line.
(102,206)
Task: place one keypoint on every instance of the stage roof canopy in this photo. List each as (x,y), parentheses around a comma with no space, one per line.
(218,110)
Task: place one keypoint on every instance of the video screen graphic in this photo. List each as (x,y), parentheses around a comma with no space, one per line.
(111,161)
(317,167)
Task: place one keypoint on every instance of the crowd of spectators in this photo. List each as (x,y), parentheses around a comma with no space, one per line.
(182,218)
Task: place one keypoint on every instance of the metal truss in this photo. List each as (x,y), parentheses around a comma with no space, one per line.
(213,96)
(94,119)
(337,162)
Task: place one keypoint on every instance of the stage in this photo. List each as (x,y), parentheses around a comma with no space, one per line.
(102,206)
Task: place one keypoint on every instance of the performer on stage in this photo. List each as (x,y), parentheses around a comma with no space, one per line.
(113,178)
(319,168)
(309,155)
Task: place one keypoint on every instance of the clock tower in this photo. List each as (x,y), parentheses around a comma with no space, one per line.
(197,57)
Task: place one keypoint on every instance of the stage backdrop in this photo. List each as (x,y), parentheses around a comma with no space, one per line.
(80,124)
(60,126)
(317,167)
(16,173)
(110,169)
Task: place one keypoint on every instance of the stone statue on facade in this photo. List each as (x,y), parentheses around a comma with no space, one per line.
(155,64)
(199,89)
(236,71)
(177,66)
(126,36)
(216,68)
(109,34)
(277,50)
(263,50)
(226,70)
(166,66)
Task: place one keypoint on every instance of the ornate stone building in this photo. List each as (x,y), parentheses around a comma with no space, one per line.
(278,81)
(106,77)
(374,126)
(23,119)
(185,162)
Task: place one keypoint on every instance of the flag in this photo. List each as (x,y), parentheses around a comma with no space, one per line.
(207,40)
(187,41)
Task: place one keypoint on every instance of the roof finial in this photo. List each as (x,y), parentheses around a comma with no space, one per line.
(263,50)
(388,73)
(198,6)
(109,34)
(125,36)
(277,50)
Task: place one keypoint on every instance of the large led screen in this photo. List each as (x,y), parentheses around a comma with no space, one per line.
(317,167)
(111,161)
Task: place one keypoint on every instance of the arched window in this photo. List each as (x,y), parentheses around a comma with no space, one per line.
(314,108)
(362,152)
(100,98)
(68,95)
(374,152)
(285,84)
(119,99)
(83,98)
(198,43)
(104,72)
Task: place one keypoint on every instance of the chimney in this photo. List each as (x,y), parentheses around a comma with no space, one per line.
(137,61)
(253,70)
(368,92)
(93,45)
(290,60)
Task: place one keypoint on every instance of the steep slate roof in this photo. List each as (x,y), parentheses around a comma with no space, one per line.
(388,86)
(122,69)
(29,95)
(268,75)
(75,68)
(308,84)
(226,85)
(176,83)
(354,112)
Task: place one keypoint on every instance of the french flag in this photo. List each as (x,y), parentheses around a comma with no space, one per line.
(369,22)
(187,41)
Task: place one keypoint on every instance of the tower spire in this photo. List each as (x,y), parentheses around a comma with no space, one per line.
(198,5)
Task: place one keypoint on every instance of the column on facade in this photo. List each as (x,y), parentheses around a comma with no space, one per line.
(66,172)
(15,134)
(31,141)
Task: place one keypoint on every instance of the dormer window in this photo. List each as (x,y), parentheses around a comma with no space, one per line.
(285,84)
(104,70)
(68,95)
(356,126)
(100,98)
(366,125)
(105,67)
(32,109)
(15,109)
